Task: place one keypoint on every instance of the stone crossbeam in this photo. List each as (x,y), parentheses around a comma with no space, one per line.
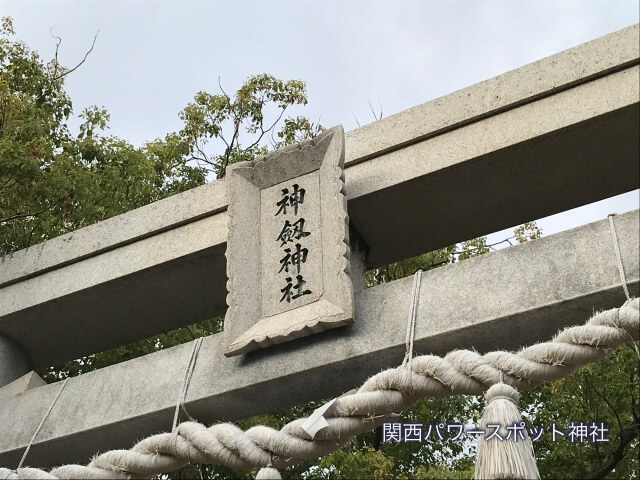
(502,300)
(541,139)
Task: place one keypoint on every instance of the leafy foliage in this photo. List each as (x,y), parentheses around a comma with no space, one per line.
(605,392)
(220,117)
(53,182)
(527,231)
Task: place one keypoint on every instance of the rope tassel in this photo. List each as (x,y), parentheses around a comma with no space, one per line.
(508,454)
(268,473)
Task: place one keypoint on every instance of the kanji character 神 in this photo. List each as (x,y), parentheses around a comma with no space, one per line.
(578,432)
(293,200)
(293,259)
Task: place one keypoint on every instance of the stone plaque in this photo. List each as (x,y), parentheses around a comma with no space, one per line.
(288,245)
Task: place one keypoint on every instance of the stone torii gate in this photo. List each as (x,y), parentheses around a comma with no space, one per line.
(547,137)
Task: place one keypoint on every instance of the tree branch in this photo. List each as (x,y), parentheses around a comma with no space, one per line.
(21,215)
(223,92)
(624,438)
(67,72)
(376,117)
(634,406)
(204,157)
(9,183)
(267,130)
(606,400)
(490,246)
(55,57)
(224,140)
(227,153)
(33,229)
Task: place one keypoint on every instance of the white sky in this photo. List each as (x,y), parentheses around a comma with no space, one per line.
(151,57)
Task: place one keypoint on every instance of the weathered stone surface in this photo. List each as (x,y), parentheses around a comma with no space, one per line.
(577,146)
(136,225)
(290,204)
(25,382)
(167,280)
(542,78)
(565,141)
(502,300)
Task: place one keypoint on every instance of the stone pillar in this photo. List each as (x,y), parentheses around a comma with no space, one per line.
(13,361)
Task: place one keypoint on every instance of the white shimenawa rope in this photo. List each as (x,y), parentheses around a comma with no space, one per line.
(411,322)
(185,383)
(44,419)
(616,246)
(459,372)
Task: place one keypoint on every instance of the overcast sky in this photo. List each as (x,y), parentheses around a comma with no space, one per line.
(151,57)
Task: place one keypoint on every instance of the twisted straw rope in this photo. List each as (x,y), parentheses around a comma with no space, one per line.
(459,372)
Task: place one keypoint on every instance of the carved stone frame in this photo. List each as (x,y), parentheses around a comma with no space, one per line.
(246,327)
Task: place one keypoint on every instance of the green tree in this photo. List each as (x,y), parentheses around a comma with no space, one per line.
(241,123)
(53,182)
(605,392)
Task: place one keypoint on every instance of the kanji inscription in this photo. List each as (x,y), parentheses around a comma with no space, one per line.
(288,245)
(292,244)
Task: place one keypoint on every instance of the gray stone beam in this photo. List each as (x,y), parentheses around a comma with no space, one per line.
(544,138)
(505,299)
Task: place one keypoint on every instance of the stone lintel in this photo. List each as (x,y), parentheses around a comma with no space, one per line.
(548,76)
